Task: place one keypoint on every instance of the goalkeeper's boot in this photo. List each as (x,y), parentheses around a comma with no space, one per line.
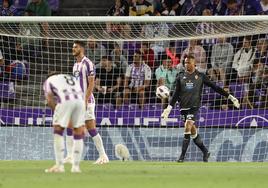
(75,169)
(181,159)
(206,156)
(55,169)
(68,159)
(103,159)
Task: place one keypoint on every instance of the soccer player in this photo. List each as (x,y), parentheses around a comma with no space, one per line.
(84,71)
(68,107)
(189,85)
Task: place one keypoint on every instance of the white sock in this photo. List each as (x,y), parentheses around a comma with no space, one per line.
(98,143)
(77,151)
(59,149)
(69,145)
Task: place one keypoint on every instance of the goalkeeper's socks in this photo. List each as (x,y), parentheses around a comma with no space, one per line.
(59,148)
(77,149)
(69,142)
(97,141)
(185,145)
(198,141)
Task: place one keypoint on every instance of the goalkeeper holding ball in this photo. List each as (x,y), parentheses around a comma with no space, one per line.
(189,86)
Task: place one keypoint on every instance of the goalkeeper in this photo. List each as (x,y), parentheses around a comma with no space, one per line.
(189,86)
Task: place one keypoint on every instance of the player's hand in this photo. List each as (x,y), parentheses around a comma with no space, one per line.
(166,112)
(234,100)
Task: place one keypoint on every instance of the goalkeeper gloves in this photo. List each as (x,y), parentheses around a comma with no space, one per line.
(166,112)
(234,100)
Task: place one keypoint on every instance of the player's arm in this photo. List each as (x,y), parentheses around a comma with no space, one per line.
(50,98)
(221,91)
(51,101)
(175,97)
(91,83)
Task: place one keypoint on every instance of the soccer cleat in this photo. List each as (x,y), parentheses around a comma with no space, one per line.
(181,159)
(76,169)
(206,156)
(103,159)
(55,169)
(68,159)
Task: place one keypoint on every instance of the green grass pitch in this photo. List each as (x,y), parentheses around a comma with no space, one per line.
(116,174)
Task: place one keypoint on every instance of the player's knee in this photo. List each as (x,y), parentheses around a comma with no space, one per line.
(193,130)
(70,125)
(90,124)
(79,131)
(58,130)
(188,126)
(187,136)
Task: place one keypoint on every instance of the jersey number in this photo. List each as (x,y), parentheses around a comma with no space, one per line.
(69,80)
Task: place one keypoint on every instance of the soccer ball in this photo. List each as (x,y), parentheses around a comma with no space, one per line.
(162,92)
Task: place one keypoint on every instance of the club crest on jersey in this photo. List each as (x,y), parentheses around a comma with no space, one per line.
(196,77)
(76,74)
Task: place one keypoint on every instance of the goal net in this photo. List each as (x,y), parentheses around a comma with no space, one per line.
(232,51)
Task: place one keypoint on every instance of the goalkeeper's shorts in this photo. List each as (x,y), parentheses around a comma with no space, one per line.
(189,114)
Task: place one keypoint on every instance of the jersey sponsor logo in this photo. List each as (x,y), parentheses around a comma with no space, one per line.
(189,85)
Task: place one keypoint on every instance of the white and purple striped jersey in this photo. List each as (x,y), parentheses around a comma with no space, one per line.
(81,71)
(138,75)
(64,87)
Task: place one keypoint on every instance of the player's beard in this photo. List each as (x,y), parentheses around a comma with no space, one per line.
(76,54)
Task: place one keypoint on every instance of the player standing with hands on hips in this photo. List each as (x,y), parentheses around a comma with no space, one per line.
(189,86)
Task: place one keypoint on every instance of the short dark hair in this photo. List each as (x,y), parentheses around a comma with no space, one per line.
(108,57)
(138,51)
(80,43)
(231,1)
(52,73)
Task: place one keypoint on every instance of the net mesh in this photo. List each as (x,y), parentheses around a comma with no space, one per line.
(231,53)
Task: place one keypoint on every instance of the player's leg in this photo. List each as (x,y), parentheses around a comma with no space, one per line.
(78,122)
(91,127)
(60,121)
(187,132)
(69,143)
(78,146)
(198,141)
(58,150)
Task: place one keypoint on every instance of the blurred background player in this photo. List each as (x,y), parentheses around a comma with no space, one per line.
(189,86)
(68,107)
(84,71)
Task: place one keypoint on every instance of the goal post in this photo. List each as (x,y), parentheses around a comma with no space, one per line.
(31,46)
